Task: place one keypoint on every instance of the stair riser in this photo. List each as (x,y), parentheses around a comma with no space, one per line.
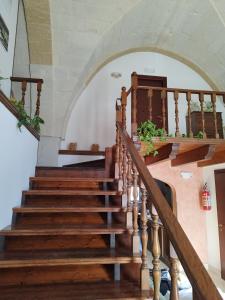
(57,201)
(56,274)
(60,218)
(70,185)
(78,173)
(56,242)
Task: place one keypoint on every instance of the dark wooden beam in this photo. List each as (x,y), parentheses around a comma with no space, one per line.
(218,158)
(168,151)
(82,152)
(204,152)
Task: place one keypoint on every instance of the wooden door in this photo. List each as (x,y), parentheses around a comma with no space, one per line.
(143,105)
(220,198)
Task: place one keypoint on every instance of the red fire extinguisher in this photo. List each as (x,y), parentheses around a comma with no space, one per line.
(206,199)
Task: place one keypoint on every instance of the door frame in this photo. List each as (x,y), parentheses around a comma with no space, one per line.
(216,172)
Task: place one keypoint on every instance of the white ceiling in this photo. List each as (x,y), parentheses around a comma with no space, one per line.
(87,33)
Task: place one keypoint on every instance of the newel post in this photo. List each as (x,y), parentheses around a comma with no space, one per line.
(124,105)
(134,82)
(118,174)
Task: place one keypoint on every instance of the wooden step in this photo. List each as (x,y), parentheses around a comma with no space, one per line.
(69,172)
(65,258)
(66,179)
(62,201)
(124,290)
(63,230)
(37,210)
(68,183)
(69,192)
(65,215)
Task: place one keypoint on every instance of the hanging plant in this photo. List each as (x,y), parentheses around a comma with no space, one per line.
(146,132)
(24,118)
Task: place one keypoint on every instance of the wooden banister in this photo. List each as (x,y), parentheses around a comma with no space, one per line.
(201,282)
(24,81)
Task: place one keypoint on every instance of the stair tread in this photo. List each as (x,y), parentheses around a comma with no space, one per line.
(51,178)
(61,229)
(124,290)
(70,257)
(69,192)
(65,209)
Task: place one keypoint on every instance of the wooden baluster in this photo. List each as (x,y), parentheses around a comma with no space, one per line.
(144,240)
(174,273)
(150,95)
(156,254)
(124,104)
(176,97)
(188,97)
(39,85)
(23,88)
(213,100)
(134,82)
(120,162)
(129,185)
(136,240)
(201,99)
(124,175)
(163,97)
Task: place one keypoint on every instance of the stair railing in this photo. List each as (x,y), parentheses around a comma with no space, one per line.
(24,82)
(180,97)
(129,164)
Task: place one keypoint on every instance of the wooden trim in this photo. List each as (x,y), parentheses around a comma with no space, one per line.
(168,151)
(82,152)
(191,263)
(204,152)
(218,158)
(26,79)
(5,101)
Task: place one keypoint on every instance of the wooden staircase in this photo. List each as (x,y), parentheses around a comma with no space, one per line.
(69,240)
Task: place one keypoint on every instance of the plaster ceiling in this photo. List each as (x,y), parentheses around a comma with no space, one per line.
(88,33)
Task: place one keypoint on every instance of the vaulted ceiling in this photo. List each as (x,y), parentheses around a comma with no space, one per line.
(85,34)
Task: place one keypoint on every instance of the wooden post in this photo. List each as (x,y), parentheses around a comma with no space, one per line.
(124,104)
(163,97)
(144,240)
(150,95)
(134,82)
(23,88)
(117,156)
(39,85)
(174,272)
(129,185)
(201,99)
(176,97)
(136,239)
(188,97)
(156,255)
(213,100)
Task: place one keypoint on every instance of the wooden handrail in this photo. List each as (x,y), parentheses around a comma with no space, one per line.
(201,282)
(179,90)
(31,80)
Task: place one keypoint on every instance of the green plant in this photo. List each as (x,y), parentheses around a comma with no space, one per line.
(24,118)
(199,135)
(207,106)
(146,132)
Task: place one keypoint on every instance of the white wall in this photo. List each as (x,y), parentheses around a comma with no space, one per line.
(212,219)
(18,157)
(8,11)
(21,65)
(93,117)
